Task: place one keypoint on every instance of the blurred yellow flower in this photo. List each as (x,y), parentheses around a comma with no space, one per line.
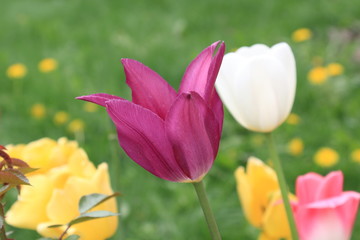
(293,119)
(258,191)
(326,157)
(38,111)
(301,34)
(90,107)
(76,125)
(318,75)
(65,175)
(355,155)
(61,117)
(335,69)
(47,65)
(17,70)
(296,146)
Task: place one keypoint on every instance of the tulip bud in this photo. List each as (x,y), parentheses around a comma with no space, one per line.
(257,84)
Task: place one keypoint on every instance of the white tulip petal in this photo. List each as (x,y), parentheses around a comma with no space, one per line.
(286,56)
(262,92)
(254,50)
(257,84)
(225,85)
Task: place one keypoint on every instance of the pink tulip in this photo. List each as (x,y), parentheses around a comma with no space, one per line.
(324,211)
(173,135)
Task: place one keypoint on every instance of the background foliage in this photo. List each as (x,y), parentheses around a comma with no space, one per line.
(88,38)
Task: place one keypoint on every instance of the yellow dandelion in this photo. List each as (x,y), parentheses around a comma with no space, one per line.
(38,111)
(301,34)
(293,119)
(47,65)
(335,69)
(355,155)
(326,157)
(318,75)
(76,125)
(17,70)
(296,146)
(61,117)
(90,107)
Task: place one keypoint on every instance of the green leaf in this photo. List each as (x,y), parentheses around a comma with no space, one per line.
(92,215)
(5,188)
(90,201)
(13,176)
(46,239)
(73,237)
(55,225)
(25,170)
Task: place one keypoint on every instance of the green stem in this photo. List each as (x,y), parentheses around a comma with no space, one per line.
(2,214)
(283,187)
(209,216)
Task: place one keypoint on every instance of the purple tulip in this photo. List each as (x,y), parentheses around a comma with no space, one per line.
(173,135)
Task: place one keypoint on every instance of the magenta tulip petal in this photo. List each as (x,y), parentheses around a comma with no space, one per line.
(194,134)
(99,98)
(201,74)
(142,135)
(149,89)
(217,107)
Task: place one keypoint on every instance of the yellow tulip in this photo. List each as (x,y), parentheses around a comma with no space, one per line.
(65,175)
(260,198)
(254,188)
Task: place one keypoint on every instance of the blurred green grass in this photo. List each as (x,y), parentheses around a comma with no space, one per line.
(88,38)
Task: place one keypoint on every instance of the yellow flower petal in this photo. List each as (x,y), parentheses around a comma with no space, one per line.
(17,70)
(37,154)
(335,69)
(318,75)
(63,205)
(38,111)
(61,117)
(301,35)
(76,125)
(66,175)
(255,188)
(28,211)
(80,165)
(326,157)
(275,223)
(45,231)
(293,119)
(296,146)
(47,65)
(355,155)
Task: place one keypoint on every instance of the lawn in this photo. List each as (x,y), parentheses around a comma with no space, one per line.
(88,39)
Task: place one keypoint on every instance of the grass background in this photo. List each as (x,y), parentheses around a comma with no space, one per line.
(88,38)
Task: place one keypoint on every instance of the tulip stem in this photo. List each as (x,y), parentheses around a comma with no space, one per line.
(209,216)
(283,187)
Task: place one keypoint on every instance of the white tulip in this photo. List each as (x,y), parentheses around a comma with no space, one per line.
(257,84)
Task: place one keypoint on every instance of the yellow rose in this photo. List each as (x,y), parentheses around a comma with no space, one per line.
(260,198)
(64,176)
